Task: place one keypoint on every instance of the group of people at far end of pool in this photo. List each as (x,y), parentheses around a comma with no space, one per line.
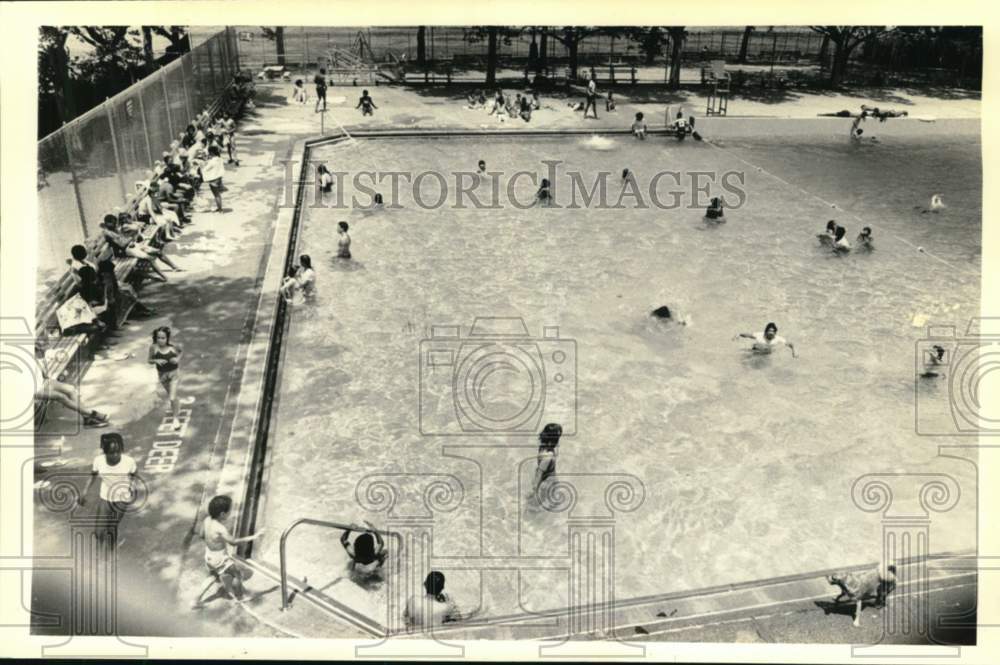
(505,106)
(299,96)
(835,237)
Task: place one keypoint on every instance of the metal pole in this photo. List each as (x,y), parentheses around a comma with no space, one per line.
(282,546)
(234,44)
(187,97)
(166,105)
(76,181)
(145,131)
(118,163)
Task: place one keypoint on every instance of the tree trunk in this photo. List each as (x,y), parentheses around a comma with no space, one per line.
(676,46)
(59,60)
(543,51)
(147,48)
(279,44)
(824,48)
(840,55)
(745,44)
(421,45)
(573,45)
(491,57)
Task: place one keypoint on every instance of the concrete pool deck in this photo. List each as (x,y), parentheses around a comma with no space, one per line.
(216,299)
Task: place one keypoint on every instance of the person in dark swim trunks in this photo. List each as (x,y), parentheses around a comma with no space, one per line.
(320,82)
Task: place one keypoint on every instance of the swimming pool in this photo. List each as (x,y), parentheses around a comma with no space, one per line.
(746,463)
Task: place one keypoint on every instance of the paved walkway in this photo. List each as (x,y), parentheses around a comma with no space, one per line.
(212,305)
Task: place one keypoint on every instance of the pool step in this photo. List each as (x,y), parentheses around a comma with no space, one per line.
(315,614)
(311,613)
(644,618)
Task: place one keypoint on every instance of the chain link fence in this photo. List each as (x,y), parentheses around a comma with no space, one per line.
(305,46)
(89,166)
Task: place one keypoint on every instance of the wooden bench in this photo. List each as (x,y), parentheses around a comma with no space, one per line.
(604,72)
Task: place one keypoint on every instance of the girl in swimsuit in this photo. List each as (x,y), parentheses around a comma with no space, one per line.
(166,357)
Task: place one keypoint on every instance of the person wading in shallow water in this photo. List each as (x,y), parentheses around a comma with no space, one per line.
(548,452)
(344,241)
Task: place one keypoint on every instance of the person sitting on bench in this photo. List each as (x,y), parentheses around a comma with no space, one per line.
(51,390)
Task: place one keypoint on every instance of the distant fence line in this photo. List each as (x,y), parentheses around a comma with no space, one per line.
(306,45)
(88,166)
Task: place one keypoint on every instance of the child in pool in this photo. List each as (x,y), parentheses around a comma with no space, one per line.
(831,233)
(934,360)
(366,104)
(344,243)
(543,196)
(840,243)
(766,342)
(714,210)
(609,103)
(664,313)
(865,239)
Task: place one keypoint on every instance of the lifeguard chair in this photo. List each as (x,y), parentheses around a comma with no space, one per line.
(717,78)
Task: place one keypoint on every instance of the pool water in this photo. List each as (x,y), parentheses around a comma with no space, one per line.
(746,462)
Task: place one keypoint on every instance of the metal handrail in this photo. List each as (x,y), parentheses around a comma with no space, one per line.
(330,525)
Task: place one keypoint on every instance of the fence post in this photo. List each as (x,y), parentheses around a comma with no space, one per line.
(187,98)
(145,131)
(305,57)
(76,181)
(166,106)
(235,45)
(118,165)
(211,68)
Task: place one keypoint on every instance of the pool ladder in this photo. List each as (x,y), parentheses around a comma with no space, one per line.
(283,554)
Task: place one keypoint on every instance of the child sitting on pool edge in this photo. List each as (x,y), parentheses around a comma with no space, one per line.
(639,127)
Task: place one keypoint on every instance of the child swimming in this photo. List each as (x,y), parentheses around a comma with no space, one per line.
(766,342)
(543,196)
(714,211)
(828,237)
(934,360)
(840,243)
(664,313)
(865,239)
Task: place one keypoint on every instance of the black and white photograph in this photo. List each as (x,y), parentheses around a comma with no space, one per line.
(580,341)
